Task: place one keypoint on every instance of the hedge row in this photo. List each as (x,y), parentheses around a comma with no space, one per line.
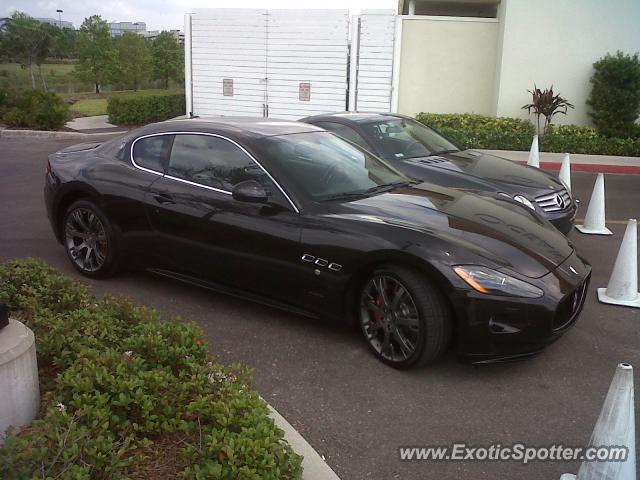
(33,109)
(480,131)
(126,395)
(144,109)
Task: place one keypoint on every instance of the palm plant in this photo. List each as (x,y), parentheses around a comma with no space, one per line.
(547,104)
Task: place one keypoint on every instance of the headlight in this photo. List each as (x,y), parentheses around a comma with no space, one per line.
(524,201)
(491,282)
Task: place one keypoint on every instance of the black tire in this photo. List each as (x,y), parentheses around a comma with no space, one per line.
(430,332)
(104,246)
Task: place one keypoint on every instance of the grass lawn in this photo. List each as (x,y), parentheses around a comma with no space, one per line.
(91,104)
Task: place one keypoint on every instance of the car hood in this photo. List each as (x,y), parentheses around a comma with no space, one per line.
(515,239)
(490,168)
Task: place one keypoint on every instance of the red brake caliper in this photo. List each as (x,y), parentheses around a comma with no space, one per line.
(375,316)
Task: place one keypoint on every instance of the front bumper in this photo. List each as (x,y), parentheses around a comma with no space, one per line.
(497,328)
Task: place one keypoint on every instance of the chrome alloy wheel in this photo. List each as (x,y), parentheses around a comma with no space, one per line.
(86,239)
(389,318)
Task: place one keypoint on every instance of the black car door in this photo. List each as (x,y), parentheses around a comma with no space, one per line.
(209,235)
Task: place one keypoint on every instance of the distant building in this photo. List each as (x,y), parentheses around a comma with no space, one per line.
(177,34)
(57,23)
(117,29)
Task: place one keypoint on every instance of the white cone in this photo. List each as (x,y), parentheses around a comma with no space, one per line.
(615,427)
(622,288)
(565,172)
(594,221)
(534,154)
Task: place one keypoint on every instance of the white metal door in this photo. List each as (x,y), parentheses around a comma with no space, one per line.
(277,63)
(373,37)
(228,62)
(306,62)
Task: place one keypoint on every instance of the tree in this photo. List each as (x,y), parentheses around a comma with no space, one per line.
(545,103)
(615,95)
(96,53)
(168,58)
(134,59)
(64,43)
(27,41)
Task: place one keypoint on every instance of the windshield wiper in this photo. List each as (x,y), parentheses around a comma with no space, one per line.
(385,187)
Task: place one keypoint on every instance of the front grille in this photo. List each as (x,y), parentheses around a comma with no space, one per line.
(555,201)
(571,306)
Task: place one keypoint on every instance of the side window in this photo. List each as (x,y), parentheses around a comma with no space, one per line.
(213,162)
(345,132)
(150,152)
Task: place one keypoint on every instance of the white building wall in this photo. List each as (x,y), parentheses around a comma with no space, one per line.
(556,42)
(447,65)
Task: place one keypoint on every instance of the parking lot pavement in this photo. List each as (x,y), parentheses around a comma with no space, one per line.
(350,407)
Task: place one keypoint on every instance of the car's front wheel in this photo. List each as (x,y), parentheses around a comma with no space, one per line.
(405,320)
(89,240)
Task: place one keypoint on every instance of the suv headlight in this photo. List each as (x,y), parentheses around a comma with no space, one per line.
(524,200)
(492,282)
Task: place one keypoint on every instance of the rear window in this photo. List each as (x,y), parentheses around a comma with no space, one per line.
(151,152)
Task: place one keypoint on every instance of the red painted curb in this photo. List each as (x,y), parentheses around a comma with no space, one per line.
(594,168)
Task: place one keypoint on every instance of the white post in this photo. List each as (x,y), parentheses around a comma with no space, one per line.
(19,385)
(412,7)
(353,63)
(188,82)
(397,57)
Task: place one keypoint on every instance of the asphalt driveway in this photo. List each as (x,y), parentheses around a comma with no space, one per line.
(354,410)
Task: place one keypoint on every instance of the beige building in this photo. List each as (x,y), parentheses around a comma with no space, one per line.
(481,56)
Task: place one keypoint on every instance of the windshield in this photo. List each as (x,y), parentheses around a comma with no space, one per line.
(402,138)
(323,166)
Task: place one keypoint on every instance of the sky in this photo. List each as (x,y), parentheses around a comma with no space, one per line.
(166,14)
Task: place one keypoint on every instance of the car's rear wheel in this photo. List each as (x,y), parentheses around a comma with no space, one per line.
(89,240)
(405,320)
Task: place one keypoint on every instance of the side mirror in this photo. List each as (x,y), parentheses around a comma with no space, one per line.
(250,191)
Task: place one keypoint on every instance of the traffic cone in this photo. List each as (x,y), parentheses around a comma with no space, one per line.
(534,155)
(622,288)
(594,222)
(565,172)
(615,427)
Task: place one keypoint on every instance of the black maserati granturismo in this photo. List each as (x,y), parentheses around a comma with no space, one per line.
(293,216)
(422,153)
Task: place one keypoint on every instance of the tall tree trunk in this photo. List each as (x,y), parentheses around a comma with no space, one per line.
(33,78)
(135,84)
(97,87)
(166,82)
(44,84)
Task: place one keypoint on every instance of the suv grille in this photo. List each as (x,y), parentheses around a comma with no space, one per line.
(555,201)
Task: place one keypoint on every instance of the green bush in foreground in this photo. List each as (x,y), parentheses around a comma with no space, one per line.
(134,110)
(480,131)
(33,109)
(126,395)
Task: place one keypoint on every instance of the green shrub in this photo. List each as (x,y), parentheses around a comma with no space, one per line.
(33,109)
(479,131)
(615,95)
(583,139)
(127,394)
(133,110)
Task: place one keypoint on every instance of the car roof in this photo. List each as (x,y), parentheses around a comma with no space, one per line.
(352,117)
(237,127)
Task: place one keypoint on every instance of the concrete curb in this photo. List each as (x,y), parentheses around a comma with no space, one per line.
(315,468)
(7,133)
(579,162)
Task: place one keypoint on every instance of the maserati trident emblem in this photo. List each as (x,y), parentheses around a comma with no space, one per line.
(573,270)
